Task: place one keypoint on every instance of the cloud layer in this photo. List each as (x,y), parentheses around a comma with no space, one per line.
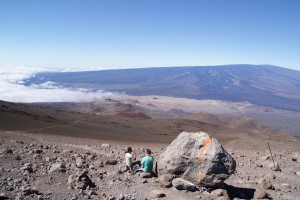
(13,88)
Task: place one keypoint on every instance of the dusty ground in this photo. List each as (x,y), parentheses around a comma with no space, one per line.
(39,151)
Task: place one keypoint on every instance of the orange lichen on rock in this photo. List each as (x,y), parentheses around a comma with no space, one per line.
(206,145)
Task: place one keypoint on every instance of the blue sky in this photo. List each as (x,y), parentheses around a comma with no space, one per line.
(140,33)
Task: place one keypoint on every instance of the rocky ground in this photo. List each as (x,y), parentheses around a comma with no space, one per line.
(31,168)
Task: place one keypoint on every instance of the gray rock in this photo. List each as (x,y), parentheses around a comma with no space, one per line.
(269,176)
(198,158)
(123,168)
(219,193)
(38,151)
(27,167)
(80,180)
(260,194)
(259,165)
(111,162)
(105,145)
(3,195)
(57,167)
(157,194)
(264,184)
(147,174)
(29,190)
(284,187)
(92,192)
(165,180)
(18,157)
(71,181)
(181,184)
(144,181)
(98,163)
(6,151)
(74,197)
(296,157)
(37,156)
(121,197)
(79,162)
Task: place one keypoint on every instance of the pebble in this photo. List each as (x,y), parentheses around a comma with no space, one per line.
(157,194)
(260,194)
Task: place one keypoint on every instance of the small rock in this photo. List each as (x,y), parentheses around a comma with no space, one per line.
(8,151)
(260,194)
(181,184)
(123,168)
(92,192)
(3,195)
(40,197)
(105,145)
(157,194)
(38,151)
(147,174)
(29,190)
(296,157)
(111,162)
(269,176)
(259,165)
(220,193)
(18,157)
(165,180)
(98,163)
(74,197)
(79,162)
(121,197)
(71,181)
(263,184)
(144,181)
(27,167)
(285,187)
(111,197)
(60,167)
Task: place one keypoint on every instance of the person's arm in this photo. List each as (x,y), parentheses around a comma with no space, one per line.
(133,156)
(142,162)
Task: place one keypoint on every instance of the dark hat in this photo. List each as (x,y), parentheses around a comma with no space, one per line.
(148,151)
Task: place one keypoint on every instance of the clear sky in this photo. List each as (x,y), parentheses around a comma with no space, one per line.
(145,33)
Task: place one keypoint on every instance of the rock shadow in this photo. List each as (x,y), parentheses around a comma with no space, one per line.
(242,193)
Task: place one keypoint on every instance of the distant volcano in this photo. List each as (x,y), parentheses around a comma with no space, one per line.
(264,85)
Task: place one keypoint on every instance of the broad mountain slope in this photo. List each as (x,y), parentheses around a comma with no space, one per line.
(263,85)
(131,128)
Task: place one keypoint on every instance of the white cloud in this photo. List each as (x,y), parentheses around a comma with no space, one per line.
(13,88)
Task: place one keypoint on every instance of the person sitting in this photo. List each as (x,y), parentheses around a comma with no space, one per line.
(146,163)
(129,158)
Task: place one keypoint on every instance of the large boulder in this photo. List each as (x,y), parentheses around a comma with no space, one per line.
(198,158)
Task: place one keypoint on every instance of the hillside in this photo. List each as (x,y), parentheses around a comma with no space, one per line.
(56,153)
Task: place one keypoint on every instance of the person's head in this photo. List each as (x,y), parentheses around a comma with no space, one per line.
(148,151)
(129,150)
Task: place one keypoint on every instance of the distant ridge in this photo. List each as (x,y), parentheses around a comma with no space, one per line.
(264,85)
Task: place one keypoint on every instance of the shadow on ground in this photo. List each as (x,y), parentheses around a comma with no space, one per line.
(242,193)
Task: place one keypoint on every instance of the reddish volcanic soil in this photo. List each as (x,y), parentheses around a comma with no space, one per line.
(134,115)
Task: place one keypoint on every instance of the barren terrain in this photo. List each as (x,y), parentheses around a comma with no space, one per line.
(44,146)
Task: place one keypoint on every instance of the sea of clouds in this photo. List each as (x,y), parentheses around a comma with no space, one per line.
(14,89)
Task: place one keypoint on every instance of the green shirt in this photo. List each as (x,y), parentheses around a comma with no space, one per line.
(147,162)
